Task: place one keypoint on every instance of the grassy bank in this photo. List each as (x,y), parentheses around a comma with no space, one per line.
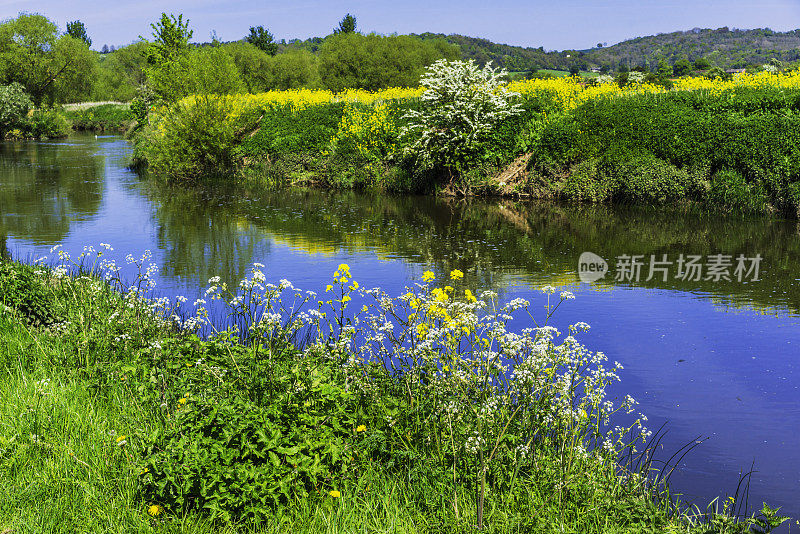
(419,413)
(100,117)
(730,145)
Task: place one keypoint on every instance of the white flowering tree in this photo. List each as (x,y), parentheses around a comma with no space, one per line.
(461,104)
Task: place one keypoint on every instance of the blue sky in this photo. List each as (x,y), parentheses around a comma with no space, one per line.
(556,25)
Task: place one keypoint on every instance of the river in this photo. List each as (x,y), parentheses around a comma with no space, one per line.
(709,346)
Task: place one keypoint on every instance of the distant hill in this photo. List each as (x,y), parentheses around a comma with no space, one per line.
(723,47)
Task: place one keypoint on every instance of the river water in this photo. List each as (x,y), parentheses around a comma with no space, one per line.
(709,346)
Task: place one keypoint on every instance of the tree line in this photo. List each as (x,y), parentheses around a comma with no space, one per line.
(56,67)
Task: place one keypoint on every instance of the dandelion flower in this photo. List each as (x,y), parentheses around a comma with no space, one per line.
(361,428)
(335,494)
(154,509)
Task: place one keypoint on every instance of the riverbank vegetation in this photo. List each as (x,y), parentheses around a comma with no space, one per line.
(692,142)
(344,410)
(100,116)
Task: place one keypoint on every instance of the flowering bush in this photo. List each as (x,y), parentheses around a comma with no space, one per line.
(462,103)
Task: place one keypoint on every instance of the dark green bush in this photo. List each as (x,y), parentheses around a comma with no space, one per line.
(730,190)
(645,179)
(752,132)
(14,106)
(284,130)
(46,124)
(240,450)
(193,140)
(26,292)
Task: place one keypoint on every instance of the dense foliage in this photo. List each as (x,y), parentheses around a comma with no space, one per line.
(374,62)
(738,149)
(50,67)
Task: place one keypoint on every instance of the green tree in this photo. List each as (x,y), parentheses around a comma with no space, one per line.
(353,60)
(77,30)
(165,53)
(170,39)
(77,71)
(702,64)
(121,72)
(293,70)
(51,68)
(346,25)
(253,64)
(574,70)
(263,39)
(663,69)
(682,67)
(208,70)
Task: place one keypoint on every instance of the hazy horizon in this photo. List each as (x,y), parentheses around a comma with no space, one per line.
(570,24)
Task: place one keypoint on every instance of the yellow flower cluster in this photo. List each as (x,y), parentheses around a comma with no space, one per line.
(370,131)
(302,98)
(759,80)
(568,93)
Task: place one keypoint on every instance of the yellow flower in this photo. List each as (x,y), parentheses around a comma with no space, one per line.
(344,268)
(335,494)
(328,288)
(182,400)
(428,276)
(455,274)
(121,438)
(154,509)
(361,428)
(439,295)
(346,299)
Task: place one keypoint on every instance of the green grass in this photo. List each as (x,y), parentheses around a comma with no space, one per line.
(95,390)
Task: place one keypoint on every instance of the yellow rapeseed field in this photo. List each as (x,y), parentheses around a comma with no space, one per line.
(566,92)
(369,131)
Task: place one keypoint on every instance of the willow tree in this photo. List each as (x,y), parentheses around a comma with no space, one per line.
(52,68)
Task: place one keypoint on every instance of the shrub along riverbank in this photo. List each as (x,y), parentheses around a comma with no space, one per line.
(731,145)
(100,117)
(20,120)
(419,413)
